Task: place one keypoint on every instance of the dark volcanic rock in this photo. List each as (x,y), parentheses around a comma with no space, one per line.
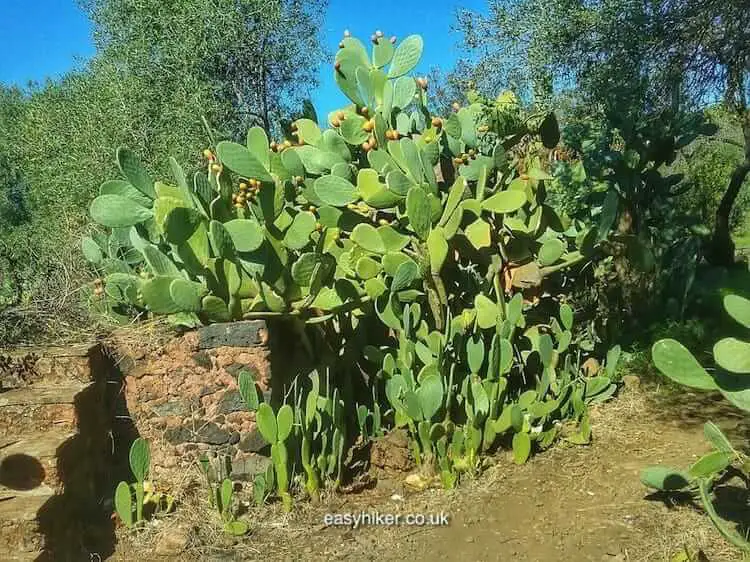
(231,401)
(234,334)
(252,442)
(212,434)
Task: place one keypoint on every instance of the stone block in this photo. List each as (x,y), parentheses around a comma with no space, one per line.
(247,333)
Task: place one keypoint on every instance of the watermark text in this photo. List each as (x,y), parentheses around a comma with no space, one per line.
(376,518)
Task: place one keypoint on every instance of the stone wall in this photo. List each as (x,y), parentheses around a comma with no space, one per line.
(182,395)
(55,452)
(43,379)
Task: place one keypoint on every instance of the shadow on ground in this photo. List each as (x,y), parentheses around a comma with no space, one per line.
(78,524)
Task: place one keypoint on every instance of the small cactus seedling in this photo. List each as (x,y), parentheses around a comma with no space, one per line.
(264,484)
(248,390)
(130,499)
(276,429)
(221,494)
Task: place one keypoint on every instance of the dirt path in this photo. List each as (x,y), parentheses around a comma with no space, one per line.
(570,503)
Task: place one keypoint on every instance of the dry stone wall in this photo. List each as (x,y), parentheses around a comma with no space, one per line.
(182,396)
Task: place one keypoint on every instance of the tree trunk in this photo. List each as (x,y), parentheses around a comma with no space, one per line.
(721,251)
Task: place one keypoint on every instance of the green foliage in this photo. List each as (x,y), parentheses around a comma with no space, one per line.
(623,62)
(634,172)
(134,503)
(253,264)
(221,496)
(731,354)
(309,433)
(730,378)
(57,138)
(618,54)
(708,164)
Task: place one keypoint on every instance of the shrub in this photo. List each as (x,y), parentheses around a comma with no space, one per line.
(657,244)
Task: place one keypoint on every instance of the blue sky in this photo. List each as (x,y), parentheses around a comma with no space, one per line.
(47,41)
(41,41)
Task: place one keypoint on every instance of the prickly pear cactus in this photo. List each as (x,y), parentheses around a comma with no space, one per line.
(380,202)
(436,225)
(732,355)
(732,379)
